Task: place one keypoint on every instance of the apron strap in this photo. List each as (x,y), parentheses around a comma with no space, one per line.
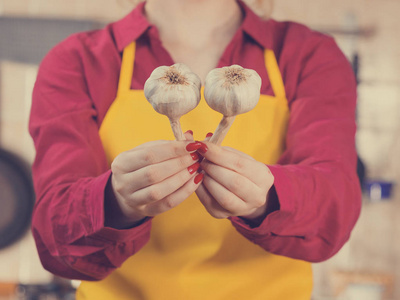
(274,74)
(127,64)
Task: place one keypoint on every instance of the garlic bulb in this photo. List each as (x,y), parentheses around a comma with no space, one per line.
(173,91)
(231,91)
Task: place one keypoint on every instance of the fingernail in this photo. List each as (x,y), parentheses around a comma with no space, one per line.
(199,177)
(195,156)
(193,168)
(193,146)
(203,148)
(210,134)
(190,132)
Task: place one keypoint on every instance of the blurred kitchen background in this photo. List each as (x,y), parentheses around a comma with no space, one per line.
(367,268)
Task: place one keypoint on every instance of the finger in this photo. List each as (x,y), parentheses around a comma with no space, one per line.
(153,153)
(225,198)
(150,144)
(157,173)
(164,188)
(235,183)
(175,198)
(208,136)
(239,152)
(236,162)
(189,135)
(209,203)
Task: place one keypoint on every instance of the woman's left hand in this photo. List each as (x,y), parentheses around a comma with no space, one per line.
(234,184)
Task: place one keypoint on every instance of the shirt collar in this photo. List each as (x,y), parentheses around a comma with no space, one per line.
(135,24)
(131,27)
(258,29)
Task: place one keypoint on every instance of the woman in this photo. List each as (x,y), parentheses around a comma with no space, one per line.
(116,205)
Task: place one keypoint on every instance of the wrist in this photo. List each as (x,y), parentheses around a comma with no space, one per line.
(272,204)
(257,217)
(114,213)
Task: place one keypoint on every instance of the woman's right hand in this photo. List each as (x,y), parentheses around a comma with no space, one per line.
(154,177)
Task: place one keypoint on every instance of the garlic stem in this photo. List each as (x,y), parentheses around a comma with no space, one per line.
(176,129)
(173,91)
(231,91)
(222,130)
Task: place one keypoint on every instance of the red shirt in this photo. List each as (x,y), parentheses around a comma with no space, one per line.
(317,194)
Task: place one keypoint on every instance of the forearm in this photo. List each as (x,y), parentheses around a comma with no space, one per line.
(317,211)
(72,241)
(315,179)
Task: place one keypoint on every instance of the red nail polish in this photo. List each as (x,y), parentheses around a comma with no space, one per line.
(193,168)
(198,178)
(193,146)
(190,132)
(210,134)
(203,148)
(195,156)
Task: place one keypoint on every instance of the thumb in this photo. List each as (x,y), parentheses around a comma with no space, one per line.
(189,135)
(208,136)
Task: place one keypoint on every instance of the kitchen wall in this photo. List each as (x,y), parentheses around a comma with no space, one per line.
(371,260)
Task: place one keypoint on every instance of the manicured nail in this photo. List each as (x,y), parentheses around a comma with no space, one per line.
(203,148)
(210,134)
(193,168)
(190,132)
(195,156)
(194,146)
(199,177)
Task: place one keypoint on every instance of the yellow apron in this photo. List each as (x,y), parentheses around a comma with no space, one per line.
(190,254)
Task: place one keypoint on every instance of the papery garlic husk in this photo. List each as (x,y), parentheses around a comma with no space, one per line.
(231,91)
(173,91)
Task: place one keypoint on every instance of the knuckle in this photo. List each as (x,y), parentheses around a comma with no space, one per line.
(152,175)
(149,157)
(266,169)
(225,202)
(116,165)
(237,183)
(260,201)
(168,203)
(154,194)
(146,211)
(131,203)
(118,187)
(117,184)
(240,163)
(176,149)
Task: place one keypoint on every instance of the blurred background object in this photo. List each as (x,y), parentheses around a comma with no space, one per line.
(17,198)
(368,267)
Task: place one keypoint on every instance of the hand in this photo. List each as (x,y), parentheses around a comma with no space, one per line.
(234,183)
(153,178)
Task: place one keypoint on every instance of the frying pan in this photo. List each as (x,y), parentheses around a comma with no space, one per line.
(16,198)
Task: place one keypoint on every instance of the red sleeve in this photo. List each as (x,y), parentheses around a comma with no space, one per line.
(316,186)
(71,174)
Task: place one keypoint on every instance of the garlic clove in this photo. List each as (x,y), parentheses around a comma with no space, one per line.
(231,91)
(173,91)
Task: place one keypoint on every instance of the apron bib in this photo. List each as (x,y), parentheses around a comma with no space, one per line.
(191,255)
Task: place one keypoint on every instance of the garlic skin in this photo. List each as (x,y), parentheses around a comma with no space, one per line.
(173,91)
(231,91)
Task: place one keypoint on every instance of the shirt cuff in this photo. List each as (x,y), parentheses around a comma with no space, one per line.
(280,208)
(109,234)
